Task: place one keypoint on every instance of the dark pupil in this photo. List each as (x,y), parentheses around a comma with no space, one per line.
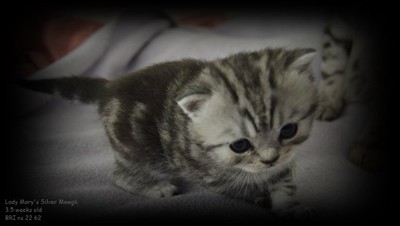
(240,146)
(288,131)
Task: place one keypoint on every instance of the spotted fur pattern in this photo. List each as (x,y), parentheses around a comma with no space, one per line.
(346,68)
(349,75)
(179,118)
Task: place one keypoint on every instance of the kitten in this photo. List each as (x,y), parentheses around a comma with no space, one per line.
(229,125)
(348,72)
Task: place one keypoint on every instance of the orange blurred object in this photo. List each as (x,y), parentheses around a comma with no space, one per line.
(50,38)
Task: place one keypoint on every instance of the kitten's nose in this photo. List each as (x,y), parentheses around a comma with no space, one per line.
(269,155)
(270,161)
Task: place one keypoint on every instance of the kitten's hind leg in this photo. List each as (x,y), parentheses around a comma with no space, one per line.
(139,162)
(139,181)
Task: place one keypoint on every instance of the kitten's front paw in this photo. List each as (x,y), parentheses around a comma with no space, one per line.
(331,103)
(329,110)
(162,189)
(331,100)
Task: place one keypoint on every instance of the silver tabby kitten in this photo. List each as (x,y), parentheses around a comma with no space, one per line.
(229,125)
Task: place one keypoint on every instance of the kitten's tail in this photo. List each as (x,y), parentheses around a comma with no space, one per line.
(83,89)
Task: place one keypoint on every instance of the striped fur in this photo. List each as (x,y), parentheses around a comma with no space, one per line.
(179,118)
(351,72)
(346,68)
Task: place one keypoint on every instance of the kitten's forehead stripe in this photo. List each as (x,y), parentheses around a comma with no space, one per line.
(263,123)
(265,94)
(229,86)
(271,77)
(273,102)
(233,75)
(271,84)
(247,115)
(246,76)
(245,71)
(243,129)
(282,114)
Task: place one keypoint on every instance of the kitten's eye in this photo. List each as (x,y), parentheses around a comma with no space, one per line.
(240,146)
(288,131)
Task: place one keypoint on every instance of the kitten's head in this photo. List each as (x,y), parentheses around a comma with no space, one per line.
(247,111)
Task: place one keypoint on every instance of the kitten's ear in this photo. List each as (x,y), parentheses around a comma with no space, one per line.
(193,104)
(303,59)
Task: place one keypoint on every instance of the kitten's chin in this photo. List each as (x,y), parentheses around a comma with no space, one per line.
(254,169)
(262,168)
(249,169)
